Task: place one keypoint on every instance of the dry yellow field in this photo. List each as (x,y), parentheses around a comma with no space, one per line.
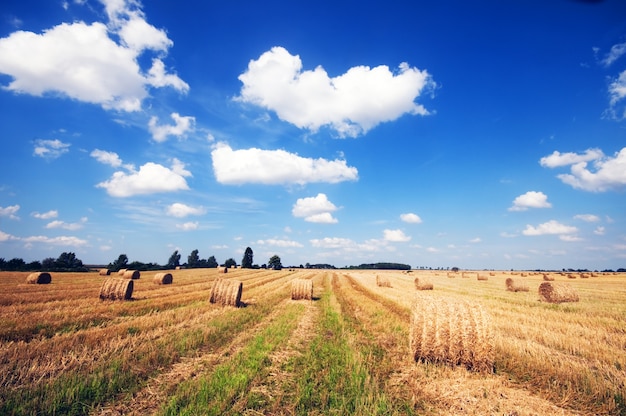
(169,350)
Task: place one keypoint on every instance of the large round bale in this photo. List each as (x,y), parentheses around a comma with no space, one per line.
(223,270)
(39,278)
(451,331)
(553,292)
(548,278)
(423,284)
(116,289)
(302,289)
(481,276)
(226,292)
(516,285)
(163,278)
(382,281)
(104,272)
(132,274)
(121,272)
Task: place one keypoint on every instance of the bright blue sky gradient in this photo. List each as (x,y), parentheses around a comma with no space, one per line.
(480,134)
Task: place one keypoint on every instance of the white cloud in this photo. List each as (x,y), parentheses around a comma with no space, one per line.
(609,173)
(50,149)
(151,178)
(351,104)
(6,237)
(332,243)
(56,241)
(183,124)
(530,199)
(188,226)
(46,215)
(316,209)
(617,92)
(551,227)
(395,236)
(181,210)
(411,218)
(600,230)
(570,238)
(67,226)
(10,212)
(108,158)
(85,62)
(283,243)
(616,52)
(272,167)
(475,240)
(507,235)
(587,217)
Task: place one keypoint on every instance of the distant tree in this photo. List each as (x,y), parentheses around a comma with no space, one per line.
(230,263)
(16,264)
(275,263)
(193,260)
(68,261)
(120,263)
(47,264)
(174,260)
(211,262)
(246,262)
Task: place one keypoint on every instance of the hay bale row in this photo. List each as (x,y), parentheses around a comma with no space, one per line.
(116,289)
(39,278)
(163,278)
(383,281)
(104,272)
(451,331)
(557,292)
(302,289)
(226,292)
(423,284)
(516,285)
(132,274)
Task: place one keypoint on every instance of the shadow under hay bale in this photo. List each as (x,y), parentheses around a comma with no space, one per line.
(39,278)
(423,284)
(163,278)
(226,292)
(516,285)
(132,274)
(104,272)
(116,289)
(452,332)
(382,281)
(302,289)
(557,292)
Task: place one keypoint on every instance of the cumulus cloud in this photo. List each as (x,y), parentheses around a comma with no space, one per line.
(411,218)
(316,209)
(395,236)
(274,167)
(108,158)
(6,237)
(181,210)
(282,243)
(10,212)
(351,104)
(182,125)
(50,149)
(530,199)
(600,230)
(587,217)
(46,215)
(96,63)
(608,173)
(551,227)
(188,226)
(149,179)
(67,226)
(69,241)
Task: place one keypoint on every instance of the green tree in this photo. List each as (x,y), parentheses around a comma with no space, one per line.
(275,263)
(193,260)
(246,262)
(120,263)
(211,262)
(69,261)
(174,260)
(230,263)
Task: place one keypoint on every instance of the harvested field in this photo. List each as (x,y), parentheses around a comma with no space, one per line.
(352,349)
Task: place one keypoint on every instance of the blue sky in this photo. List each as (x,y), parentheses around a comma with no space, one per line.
(480,134)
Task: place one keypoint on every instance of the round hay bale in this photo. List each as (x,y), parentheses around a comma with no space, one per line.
(548,278)
(223,269)
(571,276)
(226,292)
(451,275)
(382,281)
(116,289)
(553,292)
(39,278)
(516,285)
(451,331)
(584,275)
(481,277)
(302,289)
(163,278)
(423,284)
(132,274)
(104,272)
(121,272)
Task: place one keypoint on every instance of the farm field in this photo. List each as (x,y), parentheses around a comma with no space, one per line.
(169,351)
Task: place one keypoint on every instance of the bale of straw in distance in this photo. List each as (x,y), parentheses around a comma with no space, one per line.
(226,292)
(302,289)
(451,275)
(382,281)
(104,272)
(481,276)
(121,272)
(571,276)
(553,292)
(163,278)
(423,284)
(39,278)
(116,289)
(223,270)
(132,274)
(516,285)
(547,277)
(451,331)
